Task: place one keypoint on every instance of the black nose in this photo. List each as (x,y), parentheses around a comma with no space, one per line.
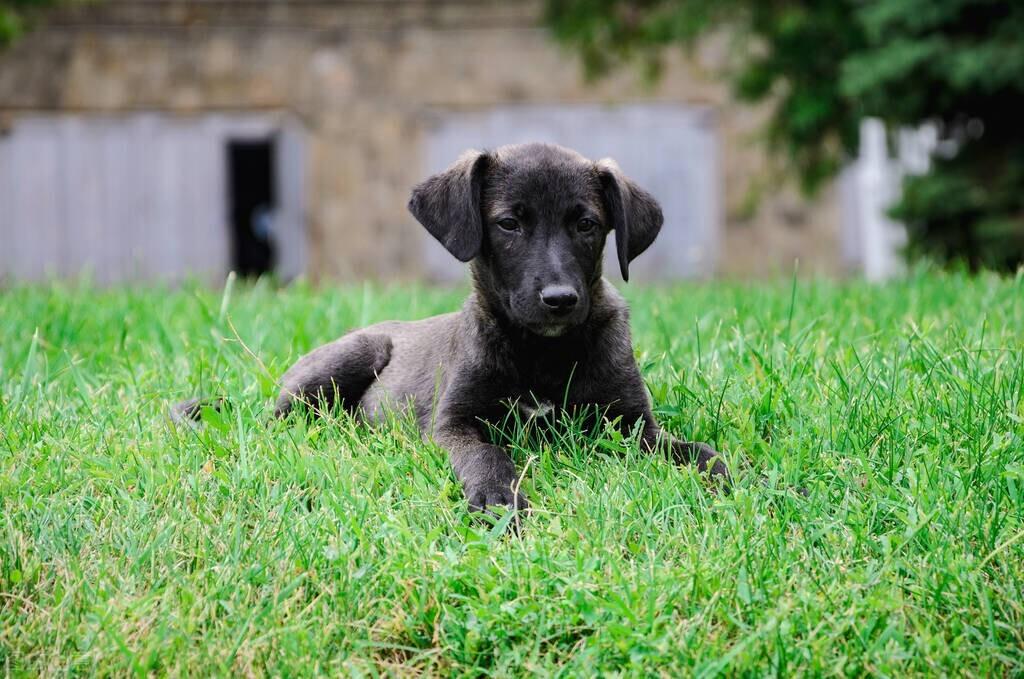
(559,297)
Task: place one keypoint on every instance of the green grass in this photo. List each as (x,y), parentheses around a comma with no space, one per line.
(130,546)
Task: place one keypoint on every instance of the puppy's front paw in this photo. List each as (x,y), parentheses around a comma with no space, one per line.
(191,411)
(495,494)
(710,462)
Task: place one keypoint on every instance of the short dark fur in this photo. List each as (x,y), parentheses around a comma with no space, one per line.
(542,325)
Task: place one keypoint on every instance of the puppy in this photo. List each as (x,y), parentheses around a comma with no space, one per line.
(541,328)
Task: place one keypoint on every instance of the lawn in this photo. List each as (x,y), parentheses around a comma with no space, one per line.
(128,545)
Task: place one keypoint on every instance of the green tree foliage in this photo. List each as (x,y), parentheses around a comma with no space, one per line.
(15,14)
(825,64)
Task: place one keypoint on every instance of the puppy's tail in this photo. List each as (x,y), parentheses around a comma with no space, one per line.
(192,410)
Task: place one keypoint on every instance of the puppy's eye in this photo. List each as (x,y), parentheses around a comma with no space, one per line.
(508,224)
(586,224)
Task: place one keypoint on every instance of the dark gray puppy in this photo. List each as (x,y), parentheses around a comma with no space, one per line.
(542,329)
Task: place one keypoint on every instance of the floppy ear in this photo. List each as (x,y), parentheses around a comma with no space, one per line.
(448,205)
(635,214)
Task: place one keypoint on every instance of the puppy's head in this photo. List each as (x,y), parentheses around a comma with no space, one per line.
(533,219)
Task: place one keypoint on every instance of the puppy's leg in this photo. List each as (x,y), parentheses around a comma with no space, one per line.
(485,471)
(192,409)
(628,402)
(656,440)
(339,372)
(704,456)
(630,406)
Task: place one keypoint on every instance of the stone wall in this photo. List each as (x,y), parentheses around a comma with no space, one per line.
(366,79)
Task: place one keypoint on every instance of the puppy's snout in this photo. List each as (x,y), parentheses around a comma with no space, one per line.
(559,298)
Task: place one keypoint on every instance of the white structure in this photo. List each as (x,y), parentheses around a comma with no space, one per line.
(872,242)
(140,196)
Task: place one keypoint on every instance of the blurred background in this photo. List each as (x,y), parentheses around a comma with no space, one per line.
(163,140)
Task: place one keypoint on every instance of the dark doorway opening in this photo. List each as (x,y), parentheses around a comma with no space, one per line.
(251,189)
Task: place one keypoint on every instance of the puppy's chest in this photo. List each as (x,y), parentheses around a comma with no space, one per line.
(540,383)
(535,408)
(545,394)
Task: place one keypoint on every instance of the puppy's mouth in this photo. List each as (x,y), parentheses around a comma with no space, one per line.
(549,329)
(552,325)
(545,322)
